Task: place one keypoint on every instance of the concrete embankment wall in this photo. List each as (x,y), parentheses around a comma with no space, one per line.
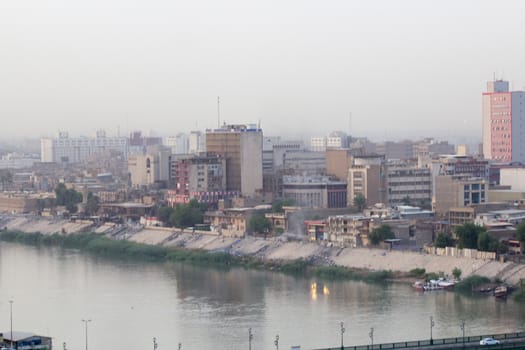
(276,249)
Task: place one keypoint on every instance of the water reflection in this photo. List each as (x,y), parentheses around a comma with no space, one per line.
(205,308)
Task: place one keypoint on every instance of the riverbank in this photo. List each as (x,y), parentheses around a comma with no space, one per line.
(279,250)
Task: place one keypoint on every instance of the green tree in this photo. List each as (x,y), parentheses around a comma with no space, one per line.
(164,213)
(360,202)
(277,206)
(467,235)
(406,200)
(489,243)
(92,204)
(187,215)
(443,240)
(259,224)
(67,197)
(381,233)
(484,241)
(520,234)
(456,272)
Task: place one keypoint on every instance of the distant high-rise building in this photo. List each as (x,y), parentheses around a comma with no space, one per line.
(65,149)
(503,123)
(241,146)
(196,142)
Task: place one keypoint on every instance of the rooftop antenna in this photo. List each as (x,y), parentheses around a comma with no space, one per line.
(218,112)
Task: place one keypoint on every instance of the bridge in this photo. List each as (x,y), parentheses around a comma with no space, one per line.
(507,341)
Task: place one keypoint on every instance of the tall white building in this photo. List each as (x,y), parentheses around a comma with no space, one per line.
(196,142)
(65,149)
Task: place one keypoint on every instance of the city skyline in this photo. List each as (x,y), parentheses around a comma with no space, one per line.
(299,68)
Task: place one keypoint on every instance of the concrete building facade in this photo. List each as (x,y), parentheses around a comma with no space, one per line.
(67,150)
(241,147)
(315,191)
(200,177)
(150,168)
(367,176)
(458,191)
(503,123)
(408,184)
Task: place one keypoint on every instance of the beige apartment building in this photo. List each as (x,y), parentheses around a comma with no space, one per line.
(458,191)
(241,146)
(367,176)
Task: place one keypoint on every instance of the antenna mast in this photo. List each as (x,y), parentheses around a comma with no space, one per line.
(218,112)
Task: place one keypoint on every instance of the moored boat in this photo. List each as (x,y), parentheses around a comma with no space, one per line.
(419,285)
(500,292)
(446,283)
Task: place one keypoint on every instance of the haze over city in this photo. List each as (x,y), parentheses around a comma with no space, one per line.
(382,69)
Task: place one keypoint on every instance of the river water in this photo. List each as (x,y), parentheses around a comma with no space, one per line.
(130,303)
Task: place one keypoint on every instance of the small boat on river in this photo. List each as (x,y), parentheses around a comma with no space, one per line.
(500,292)
(438,284)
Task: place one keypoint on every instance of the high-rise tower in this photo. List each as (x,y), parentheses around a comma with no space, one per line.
(503,123)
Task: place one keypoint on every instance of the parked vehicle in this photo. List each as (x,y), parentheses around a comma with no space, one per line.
(489,341)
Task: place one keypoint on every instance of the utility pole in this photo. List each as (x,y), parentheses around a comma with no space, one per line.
(155,344)
(86,321)
(11,320)
(431,326)
(342,332)
(371,335)
(250,337)
(462,326)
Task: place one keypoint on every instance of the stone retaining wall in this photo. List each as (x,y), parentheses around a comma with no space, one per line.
(460,253)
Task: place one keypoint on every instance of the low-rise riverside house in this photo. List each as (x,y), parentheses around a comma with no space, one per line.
(348,230)
(458,216)
(280,221)
(233,222)
(25,341)
(18,202)
(315,230)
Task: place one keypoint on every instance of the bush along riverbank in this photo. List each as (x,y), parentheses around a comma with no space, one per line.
(99,245)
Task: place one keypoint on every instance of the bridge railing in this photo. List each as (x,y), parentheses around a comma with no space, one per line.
(427,342)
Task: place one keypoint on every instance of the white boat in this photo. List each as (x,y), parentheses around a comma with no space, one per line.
(446,283)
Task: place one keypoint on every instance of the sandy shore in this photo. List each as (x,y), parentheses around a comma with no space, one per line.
(280,249)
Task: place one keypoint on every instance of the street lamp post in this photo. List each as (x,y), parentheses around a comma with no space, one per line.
(462,326)
(431,326)
(250,337)
(180,346)
(371,335)
(342,332)
(86,321)
(155,344)
(276,342)
(11,320)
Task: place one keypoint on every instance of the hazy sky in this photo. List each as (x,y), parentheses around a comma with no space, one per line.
(399,68)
